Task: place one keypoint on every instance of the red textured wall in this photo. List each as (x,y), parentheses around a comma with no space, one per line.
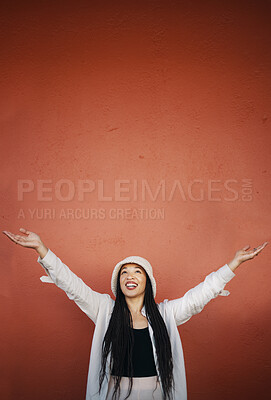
(164,92)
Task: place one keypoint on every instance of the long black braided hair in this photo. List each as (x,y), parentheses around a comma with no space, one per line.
(119,339)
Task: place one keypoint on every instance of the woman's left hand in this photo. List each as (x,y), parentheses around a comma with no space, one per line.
(244,255)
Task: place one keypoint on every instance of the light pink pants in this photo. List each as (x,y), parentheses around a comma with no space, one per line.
(143,389)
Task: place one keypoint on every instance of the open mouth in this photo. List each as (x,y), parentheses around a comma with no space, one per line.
(131,286)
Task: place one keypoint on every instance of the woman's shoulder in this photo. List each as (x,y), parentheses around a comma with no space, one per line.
(163,304)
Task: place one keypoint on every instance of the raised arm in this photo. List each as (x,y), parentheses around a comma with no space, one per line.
(196,298)
(87,299)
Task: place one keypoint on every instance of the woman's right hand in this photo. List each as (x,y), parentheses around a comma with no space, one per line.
(31,240)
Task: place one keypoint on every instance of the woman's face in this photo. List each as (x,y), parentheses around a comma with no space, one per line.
(132,280)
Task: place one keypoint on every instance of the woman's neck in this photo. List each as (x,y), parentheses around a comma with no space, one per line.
(135,304)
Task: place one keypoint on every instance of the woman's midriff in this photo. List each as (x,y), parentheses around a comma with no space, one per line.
(146,388)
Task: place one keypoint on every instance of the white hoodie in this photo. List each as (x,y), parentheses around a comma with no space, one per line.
(98,307)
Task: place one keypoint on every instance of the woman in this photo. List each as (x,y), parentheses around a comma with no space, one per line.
(136,349)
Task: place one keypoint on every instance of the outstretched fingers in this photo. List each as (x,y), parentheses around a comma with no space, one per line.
(13,237)
(258,249)
(22,240)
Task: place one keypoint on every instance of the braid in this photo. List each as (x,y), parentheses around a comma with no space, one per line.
(119,339)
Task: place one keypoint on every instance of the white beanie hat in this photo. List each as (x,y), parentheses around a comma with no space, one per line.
(137,260)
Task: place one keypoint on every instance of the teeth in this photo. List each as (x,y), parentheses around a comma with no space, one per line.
(131,285)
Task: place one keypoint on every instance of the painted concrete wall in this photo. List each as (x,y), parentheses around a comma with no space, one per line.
(108,109)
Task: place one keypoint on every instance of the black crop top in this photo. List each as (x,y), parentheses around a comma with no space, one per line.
(142,356)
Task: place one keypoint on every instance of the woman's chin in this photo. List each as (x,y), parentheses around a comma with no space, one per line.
(132,294)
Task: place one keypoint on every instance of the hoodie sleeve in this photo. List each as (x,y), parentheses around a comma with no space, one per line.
(58,273)
(196,298)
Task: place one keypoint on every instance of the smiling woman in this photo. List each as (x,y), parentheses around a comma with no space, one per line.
(133,361)
(133,280)
(136,349)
